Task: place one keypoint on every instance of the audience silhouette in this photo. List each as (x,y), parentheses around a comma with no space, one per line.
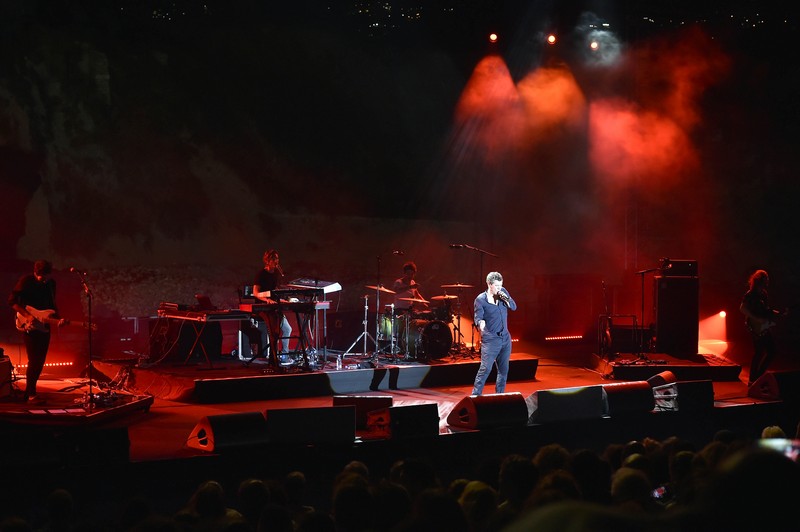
(732,483)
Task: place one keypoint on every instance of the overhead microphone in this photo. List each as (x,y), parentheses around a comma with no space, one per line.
(397,252)
(456,246)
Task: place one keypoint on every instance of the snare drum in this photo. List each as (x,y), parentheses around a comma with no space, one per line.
(429,339)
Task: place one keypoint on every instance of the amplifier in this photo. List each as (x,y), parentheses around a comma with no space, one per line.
(677,267)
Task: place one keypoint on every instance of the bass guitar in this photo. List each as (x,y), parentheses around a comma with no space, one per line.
(41,320)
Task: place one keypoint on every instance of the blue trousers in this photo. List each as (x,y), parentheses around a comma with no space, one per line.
(495,350)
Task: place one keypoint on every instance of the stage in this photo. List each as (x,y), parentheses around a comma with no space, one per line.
(161,405)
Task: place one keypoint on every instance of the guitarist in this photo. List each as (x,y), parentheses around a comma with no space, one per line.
(37,290)
(759,318)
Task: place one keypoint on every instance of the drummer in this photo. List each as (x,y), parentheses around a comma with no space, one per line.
(406,289)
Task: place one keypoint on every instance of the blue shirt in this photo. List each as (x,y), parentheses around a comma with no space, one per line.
(495,316)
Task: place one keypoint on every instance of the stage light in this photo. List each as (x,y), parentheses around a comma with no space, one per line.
(551,39)
(492,37)
(594,46)
(722,314)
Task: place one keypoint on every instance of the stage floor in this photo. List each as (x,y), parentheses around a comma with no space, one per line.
(161,406)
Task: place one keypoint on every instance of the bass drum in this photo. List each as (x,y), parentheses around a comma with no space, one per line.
(429,339)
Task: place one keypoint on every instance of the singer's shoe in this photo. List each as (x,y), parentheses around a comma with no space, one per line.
(35,400)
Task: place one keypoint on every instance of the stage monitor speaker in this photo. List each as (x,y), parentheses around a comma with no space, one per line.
(685,396)
(402,422)
(660,379)
(565,404)
(629,398)
(777,386)
(489,411)
(225,431)
(326,424)
(677,315)
(83,446)
(363,405)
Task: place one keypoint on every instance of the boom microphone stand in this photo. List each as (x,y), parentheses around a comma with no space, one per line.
(482,253)
(89,369)
(641,273)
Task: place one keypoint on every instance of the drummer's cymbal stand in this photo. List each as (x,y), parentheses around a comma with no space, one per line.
(459,346)
(364,334)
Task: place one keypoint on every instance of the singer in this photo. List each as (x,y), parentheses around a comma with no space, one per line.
(491,318)
(268,279)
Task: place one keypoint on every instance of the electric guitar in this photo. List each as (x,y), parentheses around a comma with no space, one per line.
(42,319)
(759,326)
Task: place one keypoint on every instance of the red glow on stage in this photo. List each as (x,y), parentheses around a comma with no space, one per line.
(488,112)
(628,143)
(713,334)
(551,98)
(649,138)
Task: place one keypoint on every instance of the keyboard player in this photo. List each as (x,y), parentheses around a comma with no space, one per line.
(267,279)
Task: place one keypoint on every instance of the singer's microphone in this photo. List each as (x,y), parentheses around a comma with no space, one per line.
(397,252)
(456,246)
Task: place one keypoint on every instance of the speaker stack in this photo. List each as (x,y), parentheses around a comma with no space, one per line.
(676,294)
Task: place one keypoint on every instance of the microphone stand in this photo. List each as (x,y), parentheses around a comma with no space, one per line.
(640,355)
(90,325)
(482,253)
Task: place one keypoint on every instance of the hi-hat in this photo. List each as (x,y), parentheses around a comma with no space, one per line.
(380,289)
(444,297)
(457,285)
(411,299)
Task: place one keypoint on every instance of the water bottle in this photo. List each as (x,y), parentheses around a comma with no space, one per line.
(338,361)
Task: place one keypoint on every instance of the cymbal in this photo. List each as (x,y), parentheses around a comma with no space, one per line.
(380,289)
(411,299)
(442,298)
(457,285)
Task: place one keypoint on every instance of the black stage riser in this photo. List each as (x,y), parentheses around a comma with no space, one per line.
(179,383)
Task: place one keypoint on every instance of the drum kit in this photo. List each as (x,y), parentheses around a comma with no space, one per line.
(411,334)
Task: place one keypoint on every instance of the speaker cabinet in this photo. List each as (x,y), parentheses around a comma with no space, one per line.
(677,315)
(565,404)
(225,431)
(489,411)
(402,422)
(363,404)
(777,386)
(624,398)
(327,424)
(685,396)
